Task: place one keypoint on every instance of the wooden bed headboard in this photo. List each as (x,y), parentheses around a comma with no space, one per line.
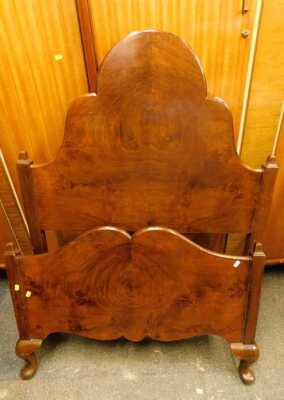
(151,148)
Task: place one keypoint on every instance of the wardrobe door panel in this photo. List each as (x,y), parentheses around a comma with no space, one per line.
(41,72)
(266,98)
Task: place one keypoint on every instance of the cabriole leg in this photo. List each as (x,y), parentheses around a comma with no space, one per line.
(25,349)
(248,354)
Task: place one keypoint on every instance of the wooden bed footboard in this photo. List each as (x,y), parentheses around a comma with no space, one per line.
(107,284)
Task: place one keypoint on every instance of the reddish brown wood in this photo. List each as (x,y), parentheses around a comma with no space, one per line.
(25,349)
(27,187)
(88,43)
(150,149)
(270,170)
(248,354)
(157,284)
(15,277)
(255,279)
(248,351)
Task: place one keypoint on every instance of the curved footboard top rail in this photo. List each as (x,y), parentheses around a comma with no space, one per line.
(151,148)
(106,284)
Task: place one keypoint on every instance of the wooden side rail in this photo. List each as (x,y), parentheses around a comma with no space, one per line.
(107,284)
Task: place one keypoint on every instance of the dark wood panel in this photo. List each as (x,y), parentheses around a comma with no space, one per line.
(106,284)
(150,149)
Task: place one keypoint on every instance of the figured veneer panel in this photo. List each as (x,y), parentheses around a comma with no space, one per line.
(106,284)
(150,149)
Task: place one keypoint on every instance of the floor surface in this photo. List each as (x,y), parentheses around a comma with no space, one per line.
(202,368)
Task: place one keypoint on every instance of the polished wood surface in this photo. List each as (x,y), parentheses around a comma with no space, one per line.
(154,284)
(267,95)
(267,90)
(26,183)
(213,29)
(139,155)
(248,354)
(41,72)
(25,349)
(143,154)
(274,234)
(88,43)
(107,284)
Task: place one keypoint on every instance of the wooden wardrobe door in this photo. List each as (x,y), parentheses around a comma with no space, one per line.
(41,72)
(274,244)
(266,97)
(216,30)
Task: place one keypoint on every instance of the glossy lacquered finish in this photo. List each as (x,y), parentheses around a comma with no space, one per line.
(213,29)
(151,148)
(107,284)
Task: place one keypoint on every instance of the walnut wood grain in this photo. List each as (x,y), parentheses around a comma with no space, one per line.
(26,182)
(150,149)
(107,284)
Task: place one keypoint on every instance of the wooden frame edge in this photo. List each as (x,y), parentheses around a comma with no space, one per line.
(88,43)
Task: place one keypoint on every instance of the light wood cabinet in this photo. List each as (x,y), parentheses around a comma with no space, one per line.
(266,97)
(41,72)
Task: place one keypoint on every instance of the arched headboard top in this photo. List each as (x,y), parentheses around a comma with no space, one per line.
(149,149)
(152,59)
(154,83)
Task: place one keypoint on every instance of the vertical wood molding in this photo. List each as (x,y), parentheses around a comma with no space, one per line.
(274,230)
(250,69)
(25,178)
(278,131)
(88,42)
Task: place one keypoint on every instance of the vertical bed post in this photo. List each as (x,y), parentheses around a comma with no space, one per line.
(248,351)
(25,346)
(264,201)
(26,183)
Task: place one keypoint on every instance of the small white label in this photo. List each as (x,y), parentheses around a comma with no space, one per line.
(236,264)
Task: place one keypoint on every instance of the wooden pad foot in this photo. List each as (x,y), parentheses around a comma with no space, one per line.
(248,354)
(25,349)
